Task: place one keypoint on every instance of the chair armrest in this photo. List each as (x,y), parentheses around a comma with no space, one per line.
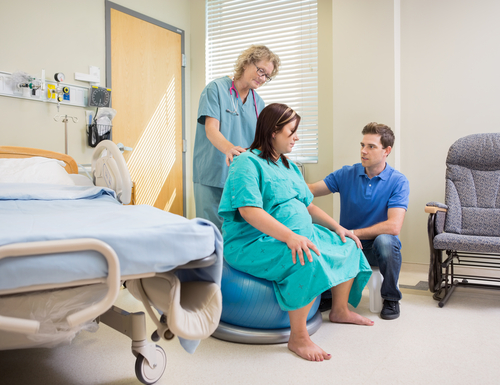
(434,207)
(437,217)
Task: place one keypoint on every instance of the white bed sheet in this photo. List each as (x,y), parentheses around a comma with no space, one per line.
(145,239)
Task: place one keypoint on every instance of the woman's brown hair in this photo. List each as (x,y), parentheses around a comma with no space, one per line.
(271,120)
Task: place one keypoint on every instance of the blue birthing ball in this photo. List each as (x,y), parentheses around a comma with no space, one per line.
(250,302)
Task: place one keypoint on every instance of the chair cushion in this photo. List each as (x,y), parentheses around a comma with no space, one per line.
(447,241)
(472,186)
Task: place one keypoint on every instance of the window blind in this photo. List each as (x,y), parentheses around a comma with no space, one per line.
(289,28)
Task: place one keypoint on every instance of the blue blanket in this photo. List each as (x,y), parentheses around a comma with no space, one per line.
(145,239)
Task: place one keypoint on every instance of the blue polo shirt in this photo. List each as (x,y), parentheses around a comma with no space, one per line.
(364,201)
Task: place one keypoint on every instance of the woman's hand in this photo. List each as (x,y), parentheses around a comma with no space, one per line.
(235,151)
(342,233)
(323,219)
(298,244)
(264,222)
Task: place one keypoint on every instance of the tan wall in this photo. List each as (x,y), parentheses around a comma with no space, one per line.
(197,75)
(449,82)
(363,73)
(63,36)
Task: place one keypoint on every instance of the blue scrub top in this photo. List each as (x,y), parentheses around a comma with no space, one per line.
(209,164)
(364,201)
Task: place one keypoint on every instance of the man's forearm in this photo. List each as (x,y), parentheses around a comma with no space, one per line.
(391,226)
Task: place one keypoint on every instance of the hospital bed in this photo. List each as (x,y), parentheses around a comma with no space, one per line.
(68,243)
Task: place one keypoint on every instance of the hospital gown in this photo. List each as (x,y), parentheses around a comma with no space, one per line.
(283,194)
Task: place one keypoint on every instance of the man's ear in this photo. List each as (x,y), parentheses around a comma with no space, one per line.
(388,150)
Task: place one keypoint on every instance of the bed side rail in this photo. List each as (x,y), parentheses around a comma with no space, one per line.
(61,246)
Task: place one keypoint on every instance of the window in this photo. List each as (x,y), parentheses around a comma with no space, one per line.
(289,28)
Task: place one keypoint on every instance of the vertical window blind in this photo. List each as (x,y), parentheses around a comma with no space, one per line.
(289,28)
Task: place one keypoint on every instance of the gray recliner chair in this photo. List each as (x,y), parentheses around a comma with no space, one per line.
(467,226)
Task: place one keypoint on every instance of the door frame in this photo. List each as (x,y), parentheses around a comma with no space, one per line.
(109,6)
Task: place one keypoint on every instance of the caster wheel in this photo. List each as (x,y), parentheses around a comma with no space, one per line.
(145,373)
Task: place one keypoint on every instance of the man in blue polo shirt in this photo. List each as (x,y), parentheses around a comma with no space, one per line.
(373,204)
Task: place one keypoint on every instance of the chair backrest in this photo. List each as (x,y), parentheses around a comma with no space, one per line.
(473,185)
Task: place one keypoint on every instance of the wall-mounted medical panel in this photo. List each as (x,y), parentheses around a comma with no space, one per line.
(43,91)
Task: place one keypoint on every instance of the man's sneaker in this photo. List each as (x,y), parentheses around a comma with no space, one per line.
(390,310)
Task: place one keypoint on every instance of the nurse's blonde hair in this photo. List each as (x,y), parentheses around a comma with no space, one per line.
(253,55)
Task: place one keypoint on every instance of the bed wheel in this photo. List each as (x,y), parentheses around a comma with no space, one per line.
(145,373)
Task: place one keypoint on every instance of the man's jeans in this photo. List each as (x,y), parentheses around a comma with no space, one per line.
(385,252)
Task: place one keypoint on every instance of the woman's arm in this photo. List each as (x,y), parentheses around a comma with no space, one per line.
(323,219)
(265,223)
(212,129)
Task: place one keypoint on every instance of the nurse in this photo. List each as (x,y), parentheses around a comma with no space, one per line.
(227,116)
(273,231)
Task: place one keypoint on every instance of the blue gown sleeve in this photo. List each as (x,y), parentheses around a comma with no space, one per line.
(242,187)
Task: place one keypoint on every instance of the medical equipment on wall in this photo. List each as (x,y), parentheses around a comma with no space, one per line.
(27,84)
(235,105)
(99,126)
(58,91)
(35,87)
(65,119)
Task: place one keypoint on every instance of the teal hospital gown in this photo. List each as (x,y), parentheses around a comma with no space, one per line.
(283,194)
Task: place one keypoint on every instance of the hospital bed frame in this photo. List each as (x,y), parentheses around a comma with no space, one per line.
(110,170)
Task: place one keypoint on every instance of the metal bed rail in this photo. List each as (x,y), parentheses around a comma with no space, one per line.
(61,246)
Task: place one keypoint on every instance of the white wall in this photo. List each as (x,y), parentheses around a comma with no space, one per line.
(449,88)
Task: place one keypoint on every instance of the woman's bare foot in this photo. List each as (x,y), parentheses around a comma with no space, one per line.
(302,346)
(349,317)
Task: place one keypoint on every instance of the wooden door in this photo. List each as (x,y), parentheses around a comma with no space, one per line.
(146,83)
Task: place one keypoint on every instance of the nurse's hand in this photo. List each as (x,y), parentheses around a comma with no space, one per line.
(235,151)
(299,244)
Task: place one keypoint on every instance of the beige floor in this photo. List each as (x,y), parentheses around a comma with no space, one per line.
(458,344)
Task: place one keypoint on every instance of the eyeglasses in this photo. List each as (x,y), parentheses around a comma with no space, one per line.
(261,72)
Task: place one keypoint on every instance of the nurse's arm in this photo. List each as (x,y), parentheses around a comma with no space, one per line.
(212,130)
(265,223)
(323,219)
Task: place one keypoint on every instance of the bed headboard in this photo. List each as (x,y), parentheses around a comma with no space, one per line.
(26,152)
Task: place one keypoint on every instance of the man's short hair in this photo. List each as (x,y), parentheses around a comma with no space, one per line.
(385,132)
